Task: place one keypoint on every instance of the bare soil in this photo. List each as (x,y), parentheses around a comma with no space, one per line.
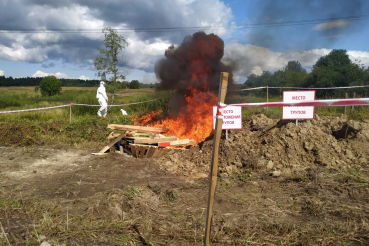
(279,184)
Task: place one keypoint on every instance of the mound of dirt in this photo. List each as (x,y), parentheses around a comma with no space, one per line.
(280,147)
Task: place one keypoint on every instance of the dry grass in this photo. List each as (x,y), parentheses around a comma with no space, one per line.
(245,213)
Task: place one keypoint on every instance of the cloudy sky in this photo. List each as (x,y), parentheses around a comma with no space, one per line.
(41,37)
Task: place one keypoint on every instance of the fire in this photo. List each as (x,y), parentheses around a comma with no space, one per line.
(195,65)
(195,121)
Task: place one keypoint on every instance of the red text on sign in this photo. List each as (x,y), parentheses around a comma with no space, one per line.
(298,112)
(298,97)
(228,111)
(232,116)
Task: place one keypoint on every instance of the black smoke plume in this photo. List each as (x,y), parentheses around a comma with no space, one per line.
(194,63)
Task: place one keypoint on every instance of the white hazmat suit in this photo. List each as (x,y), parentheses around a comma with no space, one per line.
(102,97)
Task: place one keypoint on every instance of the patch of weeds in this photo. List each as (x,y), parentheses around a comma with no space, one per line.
(125,120)
(245,176)
(67,128)
(46,223)
(10,204)
(225,184)
(170,195)
(131,193)
(360,179)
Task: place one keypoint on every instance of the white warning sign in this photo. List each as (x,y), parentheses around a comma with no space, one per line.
(232,117)
(298,112)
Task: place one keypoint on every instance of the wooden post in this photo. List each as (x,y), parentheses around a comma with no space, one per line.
(214,162)
(70,113)
(352,107)
(345,106)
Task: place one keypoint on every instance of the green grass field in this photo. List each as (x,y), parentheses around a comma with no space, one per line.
(52,126)
(358,113)
(27,98)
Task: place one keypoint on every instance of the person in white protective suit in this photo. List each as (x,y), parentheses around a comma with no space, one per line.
(103,100)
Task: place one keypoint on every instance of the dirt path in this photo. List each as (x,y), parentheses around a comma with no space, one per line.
(68,196)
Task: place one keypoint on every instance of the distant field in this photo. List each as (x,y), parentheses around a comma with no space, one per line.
(13,98)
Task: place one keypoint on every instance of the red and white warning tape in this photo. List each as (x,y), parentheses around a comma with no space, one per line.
(250,89)
(35,109)
(113,105)
(32,109)
(329,102)
(221,108)
(305,88)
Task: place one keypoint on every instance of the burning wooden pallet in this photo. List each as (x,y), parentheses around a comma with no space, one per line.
(143,142)
(147,151)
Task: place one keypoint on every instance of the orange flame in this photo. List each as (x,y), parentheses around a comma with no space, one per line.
(195,121)
(198,57)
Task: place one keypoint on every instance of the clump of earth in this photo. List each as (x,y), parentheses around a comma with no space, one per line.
(279,147)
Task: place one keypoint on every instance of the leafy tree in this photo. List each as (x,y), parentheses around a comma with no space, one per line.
(335,69)
(293,75)
(50,86)
(108,64)
(294,66)
(123,85)
(134,84)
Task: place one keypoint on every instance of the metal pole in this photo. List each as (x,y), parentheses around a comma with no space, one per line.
(214,162)
(345,106)
(352,107)
(266,108)
(297,122)
(226,134)
(70,113)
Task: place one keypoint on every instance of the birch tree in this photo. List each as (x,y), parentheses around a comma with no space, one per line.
(108,64)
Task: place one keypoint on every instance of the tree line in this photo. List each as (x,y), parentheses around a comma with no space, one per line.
(333,70)
(30,81)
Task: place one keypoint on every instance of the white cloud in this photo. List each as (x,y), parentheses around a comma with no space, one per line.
(332,24)
(40,74)
(59,75)
(80,48)
(19,53)
(1,73)
(361,57)
(142,54)
(247,59)
(84,78)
